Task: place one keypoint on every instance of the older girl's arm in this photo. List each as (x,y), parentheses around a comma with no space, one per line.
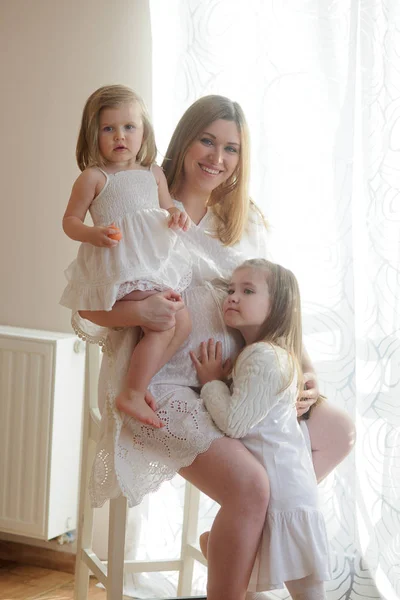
(256,382)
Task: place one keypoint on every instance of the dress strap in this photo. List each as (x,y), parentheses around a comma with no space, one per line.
(106,175)
(105,186)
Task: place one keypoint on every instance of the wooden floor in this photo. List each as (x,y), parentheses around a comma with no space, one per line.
(20,582)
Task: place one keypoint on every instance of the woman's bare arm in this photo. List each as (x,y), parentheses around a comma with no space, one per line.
(309,395)
(157,311)
(306,362)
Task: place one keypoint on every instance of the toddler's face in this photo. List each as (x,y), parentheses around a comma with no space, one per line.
(120,133)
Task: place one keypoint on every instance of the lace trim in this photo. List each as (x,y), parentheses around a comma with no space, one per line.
(100,340)
(148,286)
(107,481)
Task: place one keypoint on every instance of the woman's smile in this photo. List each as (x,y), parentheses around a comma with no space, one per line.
(213,157)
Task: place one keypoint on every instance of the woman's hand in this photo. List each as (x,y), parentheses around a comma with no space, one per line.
(158,311)
(309,395)
(209,365)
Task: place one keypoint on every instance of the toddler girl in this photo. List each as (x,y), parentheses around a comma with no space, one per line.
(132,250)
(263,303)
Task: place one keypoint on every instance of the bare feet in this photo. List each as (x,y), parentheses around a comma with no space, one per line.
(134,404)
(203,540)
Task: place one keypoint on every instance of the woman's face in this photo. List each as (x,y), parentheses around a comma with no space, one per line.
(213,156)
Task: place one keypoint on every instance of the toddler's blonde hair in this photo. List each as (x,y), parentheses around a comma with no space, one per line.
(111,96)
(282,326)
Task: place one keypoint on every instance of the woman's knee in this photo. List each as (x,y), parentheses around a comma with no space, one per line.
(346,433)
(333,427)
(250,490)
(231,476)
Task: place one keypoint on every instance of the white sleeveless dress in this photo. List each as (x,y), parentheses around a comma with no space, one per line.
(150,256)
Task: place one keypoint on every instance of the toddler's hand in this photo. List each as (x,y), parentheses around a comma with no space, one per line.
(100,236)
(178,219)
(209,365)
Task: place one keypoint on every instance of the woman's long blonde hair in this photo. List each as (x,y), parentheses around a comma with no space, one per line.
(282,327)
(110,96)
(230,201)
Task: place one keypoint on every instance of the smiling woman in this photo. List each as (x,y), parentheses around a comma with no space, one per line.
(208,177)
(213,156)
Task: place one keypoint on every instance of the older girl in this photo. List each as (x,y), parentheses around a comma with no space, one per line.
(207,170)
(263,304)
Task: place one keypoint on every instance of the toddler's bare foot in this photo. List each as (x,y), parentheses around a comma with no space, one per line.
(133,403)
(203,540)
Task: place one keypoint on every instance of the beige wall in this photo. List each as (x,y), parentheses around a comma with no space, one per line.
(53,54)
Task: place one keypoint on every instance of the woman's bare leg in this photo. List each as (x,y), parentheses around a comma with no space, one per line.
(332,434)
(203,541)
(231,476)
(306,589)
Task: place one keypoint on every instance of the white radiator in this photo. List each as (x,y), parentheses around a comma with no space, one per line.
(41,401)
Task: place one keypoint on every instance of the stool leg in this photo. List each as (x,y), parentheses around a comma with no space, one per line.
(116,547)
(189,533)
(85,510)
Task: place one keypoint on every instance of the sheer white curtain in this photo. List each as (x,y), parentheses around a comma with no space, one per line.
(320,84)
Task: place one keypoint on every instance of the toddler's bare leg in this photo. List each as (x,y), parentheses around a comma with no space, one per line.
(149,355)
(144,365)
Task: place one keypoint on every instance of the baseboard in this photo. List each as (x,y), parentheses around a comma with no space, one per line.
(36,556)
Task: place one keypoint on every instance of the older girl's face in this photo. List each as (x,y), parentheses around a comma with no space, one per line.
(213,156)
(248,302)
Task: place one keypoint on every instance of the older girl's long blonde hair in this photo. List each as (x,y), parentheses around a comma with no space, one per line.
(283,326)
(230,201)
(110,96)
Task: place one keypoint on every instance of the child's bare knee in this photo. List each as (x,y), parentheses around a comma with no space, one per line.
(184,324)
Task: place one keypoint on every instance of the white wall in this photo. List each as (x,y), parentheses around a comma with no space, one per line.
(53,55)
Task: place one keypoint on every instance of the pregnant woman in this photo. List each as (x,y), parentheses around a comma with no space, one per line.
(207,167)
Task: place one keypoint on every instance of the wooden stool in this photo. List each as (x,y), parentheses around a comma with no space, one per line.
(110,573)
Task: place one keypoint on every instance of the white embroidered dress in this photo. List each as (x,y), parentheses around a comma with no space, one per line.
(294,542)
(150,255)
(135,458)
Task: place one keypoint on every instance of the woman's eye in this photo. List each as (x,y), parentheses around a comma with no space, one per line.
(248,291)
(231,149)
(107,128)
(206,141)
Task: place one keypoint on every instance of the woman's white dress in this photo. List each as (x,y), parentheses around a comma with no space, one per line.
(135,458)
(150,256)
(294,542)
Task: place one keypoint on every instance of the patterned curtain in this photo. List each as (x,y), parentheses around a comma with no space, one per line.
(319,81)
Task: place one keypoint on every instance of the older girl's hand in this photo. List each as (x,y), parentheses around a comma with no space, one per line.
(309,395)
(209,365)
